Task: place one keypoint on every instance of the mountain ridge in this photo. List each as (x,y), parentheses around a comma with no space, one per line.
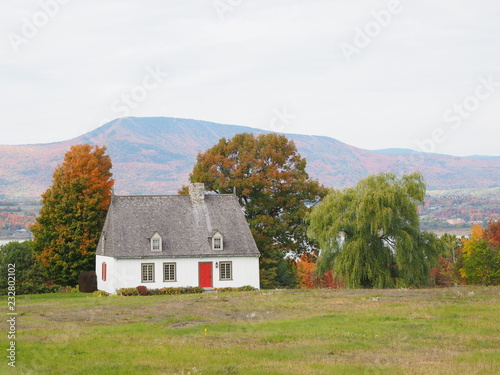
(392,151)
(154,155)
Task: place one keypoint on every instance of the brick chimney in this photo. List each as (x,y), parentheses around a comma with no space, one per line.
(197,192)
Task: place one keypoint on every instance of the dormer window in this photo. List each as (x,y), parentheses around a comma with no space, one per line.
(217,241)
(156,243)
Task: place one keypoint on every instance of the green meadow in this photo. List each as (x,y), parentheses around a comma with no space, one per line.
(404,331)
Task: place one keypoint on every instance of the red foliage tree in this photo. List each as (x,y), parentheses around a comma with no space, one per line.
(492,233)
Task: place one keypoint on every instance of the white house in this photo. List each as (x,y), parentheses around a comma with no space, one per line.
(176,241)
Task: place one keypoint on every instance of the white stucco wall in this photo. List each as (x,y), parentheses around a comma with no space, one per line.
(126,273)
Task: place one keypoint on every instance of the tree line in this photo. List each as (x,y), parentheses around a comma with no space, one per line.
(366,236)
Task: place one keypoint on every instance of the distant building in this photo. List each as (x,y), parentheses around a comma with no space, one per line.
(455,221)
(176,241)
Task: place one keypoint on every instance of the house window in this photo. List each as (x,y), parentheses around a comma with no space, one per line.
(156,243)
(169,272)
(217,241)
(104,271)
(148,272)
(226,270)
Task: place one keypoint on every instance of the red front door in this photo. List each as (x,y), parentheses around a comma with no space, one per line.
(206,275)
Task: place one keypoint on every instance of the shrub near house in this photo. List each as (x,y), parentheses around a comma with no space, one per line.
(29,276)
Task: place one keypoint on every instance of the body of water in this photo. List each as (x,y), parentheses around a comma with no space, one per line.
(3,242)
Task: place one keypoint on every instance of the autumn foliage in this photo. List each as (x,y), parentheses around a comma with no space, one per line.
(269,178)
(492,233)
(480,263)
(447,272)
(73,213)
(307,275)
(13,221)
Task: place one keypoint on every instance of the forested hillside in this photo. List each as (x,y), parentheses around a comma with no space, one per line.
(155,156)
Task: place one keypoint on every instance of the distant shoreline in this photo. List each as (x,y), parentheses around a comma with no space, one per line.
(15,238)
(457,232)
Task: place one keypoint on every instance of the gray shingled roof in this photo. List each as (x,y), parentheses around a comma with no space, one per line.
(185,227)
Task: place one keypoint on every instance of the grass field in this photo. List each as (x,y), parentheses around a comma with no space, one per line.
(436,331)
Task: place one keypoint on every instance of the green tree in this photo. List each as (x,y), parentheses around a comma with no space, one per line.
(370,234)
(481,257)
(73,213)
(286,273)
(272,185)
(29,273)
(452,246)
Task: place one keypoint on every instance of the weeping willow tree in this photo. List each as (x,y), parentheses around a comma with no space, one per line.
(370,234)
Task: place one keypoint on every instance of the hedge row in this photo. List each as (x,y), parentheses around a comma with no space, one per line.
(246,288)
(141,290)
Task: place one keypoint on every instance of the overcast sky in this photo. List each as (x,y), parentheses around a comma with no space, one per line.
(373,74)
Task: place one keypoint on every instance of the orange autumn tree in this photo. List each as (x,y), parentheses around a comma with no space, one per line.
(73,213)
(306,272)
(268,175)
(310,277)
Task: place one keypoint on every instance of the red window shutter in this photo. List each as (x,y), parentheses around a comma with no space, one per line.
(104,271)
